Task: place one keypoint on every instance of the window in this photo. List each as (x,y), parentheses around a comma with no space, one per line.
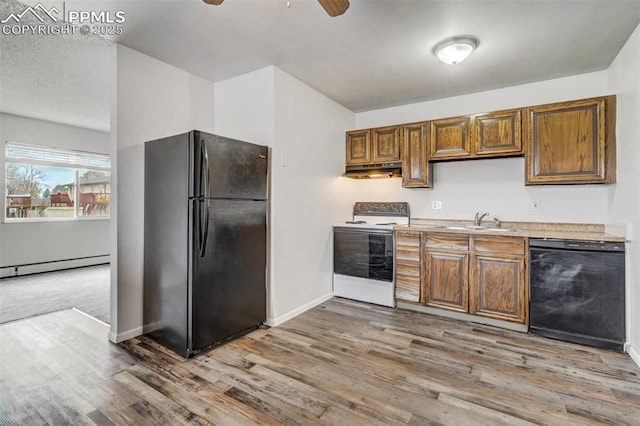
(43,183)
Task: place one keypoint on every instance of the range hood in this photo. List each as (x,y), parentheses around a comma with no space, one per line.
(381,170)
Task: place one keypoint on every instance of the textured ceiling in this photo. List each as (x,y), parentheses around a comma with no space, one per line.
(377,54)
(64,79)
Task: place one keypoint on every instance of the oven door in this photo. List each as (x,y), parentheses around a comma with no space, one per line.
(363,253)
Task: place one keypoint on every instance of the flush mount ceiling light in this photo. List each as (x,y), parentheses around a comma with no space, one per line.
(454,50)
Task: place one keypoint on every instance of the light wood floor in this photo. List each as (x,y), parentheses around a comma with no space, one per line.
(342,363)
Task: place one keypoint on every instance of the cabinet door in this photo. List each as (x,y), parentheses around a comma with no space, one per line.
(385,143)
(497,287)
(447,280)
(568,143)
(407,266)
(416,169)
(449,138)
(498,134)
(358,147)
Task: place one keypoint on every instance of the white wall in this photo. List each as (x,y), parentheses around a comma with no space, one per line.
(244,107)
(495,186)
(35,242)
(154,100)
(308,194)
(624,198)
(306,133)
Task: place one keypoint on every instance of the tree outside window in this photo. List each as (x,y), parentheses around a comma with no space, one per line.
(53,184)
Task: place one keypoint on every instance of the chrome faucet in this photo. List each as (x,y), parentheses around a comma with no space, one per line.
(477,220)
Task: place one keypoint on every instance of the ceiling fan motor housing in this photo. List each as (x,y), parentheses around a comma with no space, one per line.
(332,7)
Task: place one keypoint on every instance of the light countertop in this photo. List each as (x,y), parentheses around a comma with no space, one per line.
(565,231)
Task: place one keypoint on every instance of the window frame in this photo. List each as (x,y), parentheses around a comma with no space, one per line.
(74,166)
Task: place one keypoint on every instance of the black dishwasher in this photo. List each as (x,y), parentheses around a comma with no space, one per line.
(577,291)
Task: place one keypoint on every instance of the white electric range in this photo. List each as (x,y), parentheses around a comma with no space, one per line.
(363,252)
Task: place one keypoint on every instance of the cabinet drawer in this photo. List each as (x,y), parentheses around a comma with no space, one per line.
(447,242)
(408,269)
(407,288)
(408,253)
(503,245)
(408,246)
(407,280)
(404,238)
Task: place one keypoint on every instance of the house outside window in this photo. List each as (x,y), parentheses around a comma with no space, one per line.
(52,184)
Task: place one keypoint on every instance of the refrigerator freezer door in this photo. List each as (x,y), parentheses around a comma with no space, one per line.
(228,168)
(229,282)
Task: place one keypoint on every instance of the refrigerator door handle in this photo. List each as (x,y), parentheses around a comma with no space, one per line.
(204,230)
(204,178)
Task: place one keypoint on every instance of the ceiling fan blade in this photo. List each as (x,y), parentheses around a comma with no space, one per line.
(334,7)
(216,2)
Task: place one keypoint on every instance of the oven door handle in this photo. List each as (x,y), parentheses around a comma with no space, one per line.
(363,231)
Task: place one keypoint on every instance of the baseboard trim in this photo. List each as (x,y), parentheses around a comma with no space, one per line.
(56,265)
(129,334)
(634,355)
(464,317)
(273,322)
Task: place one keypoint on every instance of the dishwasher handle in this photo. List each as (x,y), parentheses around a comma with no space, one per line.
(576,245)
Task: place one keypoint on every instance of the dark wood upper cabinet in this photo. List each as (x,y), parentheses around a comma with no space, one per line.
(498,134)
(563,143)
(385,142)
(495,134)
(358,147)
(571,142)
(371,146)
(417,172)
(449,138)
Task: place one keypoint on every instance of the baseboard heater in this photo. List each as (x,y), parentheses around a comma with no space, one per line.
(56,265)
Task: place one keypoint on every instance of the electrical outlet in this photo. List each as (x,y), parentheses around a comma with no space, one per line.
(533,205)
(436,205)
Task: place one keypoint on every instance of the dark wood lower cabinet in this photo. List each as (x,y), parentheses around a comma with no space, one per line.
(497,287)
(407,266)
(446,271)
(479,275)
(447,280)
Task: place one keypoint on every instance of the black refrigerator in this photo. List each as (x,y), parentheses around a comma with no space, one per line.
(205,240)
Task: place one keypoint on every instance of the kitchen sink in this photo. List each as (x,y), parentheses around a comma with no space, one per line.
(476,228)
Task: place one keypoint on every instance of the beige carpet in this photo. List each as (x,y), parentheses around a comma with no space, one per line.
(86,289)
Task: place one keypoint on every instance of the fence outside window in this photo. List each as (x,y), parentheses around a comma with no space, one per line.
(54,184)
